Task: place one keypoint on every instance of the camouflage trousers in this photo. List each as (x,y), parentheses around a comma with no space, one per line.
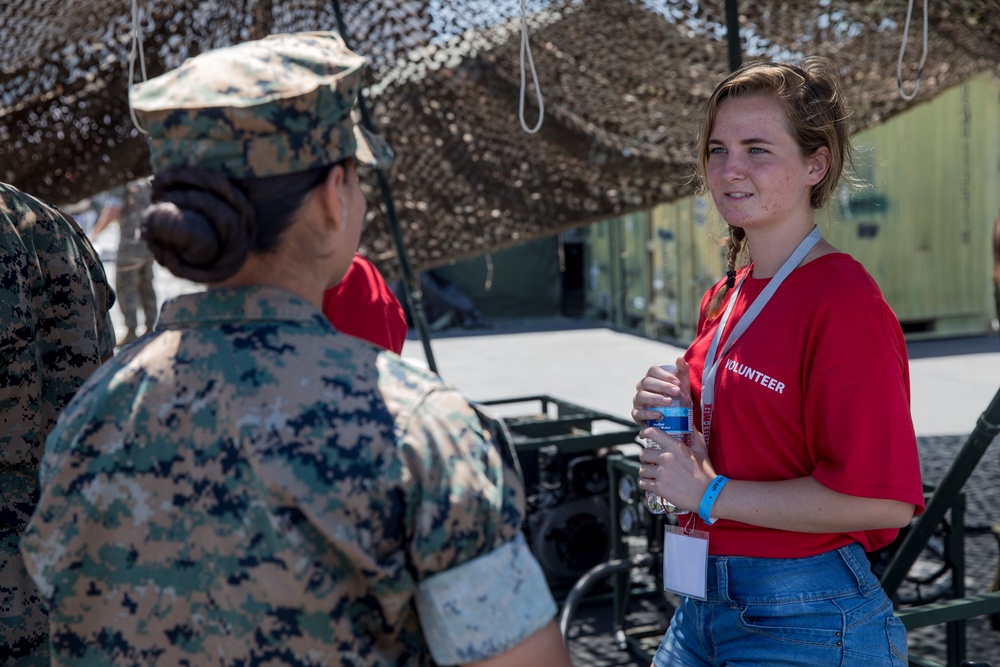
(134,287)
(24,621)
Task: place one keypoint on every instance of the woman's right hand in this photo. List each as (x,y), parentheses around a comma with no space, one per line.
(657,389)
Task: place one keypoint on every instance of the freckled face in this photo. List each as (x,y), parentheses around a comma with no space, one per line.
(756,171)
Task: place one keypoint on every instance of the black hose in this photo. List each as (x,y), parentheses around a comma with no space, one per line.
(592,576)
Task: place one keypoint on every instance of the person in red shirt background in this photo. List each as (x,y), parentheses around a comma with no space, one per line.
(363,306)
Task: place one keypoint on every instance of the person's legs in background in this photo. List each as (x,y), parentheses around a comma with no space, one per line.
(127,289)
(147,295)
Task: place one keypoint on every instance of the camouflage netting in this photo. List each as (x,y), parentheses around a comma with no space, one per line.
(623,82)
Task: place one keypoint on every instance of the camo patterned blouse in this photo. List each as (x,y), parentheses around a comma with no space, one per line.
(248,486)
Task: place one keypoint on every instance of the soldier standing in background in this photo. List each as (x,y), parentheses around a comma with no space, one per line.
(55,329)
(134,265)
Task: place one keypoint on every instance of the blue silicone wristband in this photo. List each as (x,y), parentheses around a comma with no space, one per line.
(708,500)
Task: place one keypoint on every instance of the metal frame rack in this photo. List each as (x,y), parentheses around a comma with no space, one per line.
(567,425)
(947,497)
(547,435)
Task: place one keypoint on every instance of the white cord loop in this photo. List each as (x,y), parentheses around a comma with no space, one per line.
(526,49)
(489,272)
(902,50)
(136,54)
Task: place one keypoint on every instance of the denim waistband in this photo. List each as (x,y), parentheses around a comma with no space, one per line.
(843,571)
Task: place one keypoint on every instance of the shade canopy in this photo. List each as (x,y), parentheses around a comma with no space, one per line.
(622,83)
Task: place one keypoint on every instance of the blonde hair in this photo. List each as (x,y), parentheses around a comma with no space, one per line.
(817,117)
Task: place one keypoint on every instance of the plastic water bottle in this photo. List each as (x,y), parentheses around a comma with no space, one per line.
(676,420)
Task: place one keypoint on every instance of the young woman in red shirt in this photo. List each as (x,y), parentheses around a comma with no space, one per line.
(806,456)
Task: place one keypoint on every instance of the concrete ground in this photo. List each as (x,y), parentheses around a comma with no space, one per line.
(952,382)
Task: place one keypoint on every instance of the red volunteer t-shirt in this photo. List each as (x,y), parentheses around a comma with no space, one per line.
(362,305)
(818,385)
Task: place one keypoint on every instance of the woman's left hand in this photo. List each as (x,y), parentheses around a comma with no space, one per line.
(676,472)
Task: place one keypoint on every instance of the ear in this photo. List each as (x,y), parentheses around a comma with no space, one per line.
(819,164)
(332,198)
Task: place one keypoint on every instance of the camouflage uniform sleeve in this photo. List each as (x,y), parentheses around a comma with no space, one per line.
(480,590)
(104,295)
(56,299)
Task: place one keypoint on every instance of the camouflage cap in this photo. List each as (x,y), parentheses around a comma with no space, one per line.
(277,105)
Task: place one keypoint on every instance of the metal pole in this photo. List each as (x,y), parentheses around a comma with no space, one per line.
(951,484)
(733,35)
(411,290)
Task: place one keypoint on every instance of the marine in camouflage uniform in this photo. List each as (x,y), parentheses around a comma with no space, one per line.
(134,262)
(249,486)
(54,331)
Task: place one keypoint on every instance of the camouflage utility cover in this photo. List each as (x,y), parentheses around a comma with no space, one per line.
(277,105)
(55,328)
(248,486)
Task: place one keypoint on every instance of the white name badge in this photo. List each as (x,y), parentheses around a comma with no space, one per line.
(685,562)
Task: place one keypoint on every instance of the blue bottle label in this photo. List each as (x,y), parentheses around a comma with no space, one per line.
(673,419)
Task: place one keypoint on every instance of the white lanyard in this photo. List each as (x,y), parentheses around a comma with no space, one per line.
(714,357)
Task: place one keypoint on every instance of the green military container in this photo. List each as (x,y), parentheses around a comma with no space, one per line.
(521,281)
(635,283)
(597,267)
(924,227)
(616,267)
(686,258)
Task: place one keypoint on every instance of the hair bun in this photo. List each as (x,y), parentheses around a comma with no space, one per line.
(202,226)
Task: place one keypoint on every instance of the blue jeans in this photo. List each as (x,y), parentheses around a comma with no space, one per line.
(823,611)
